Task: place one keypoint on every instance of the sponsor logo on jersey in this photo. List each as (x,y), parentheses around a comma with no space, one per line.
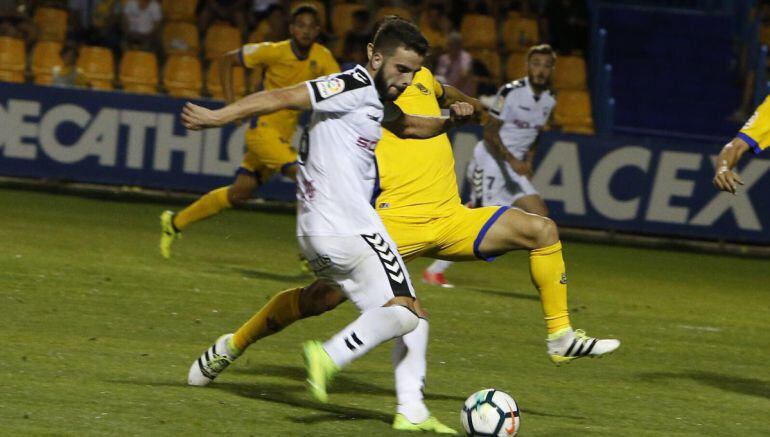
(422,88)
(320,263)
(330,87)
(499,103)
(366,144)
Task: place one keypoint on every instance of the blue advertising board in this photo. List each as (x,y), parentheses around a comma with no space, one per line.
(642,185)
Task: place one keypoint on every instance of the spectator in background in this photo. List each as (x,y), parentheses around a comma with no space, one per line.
(436,26)
(68,74)
(455,67)
(356,39)
(14,21)
(260,9)
(230,11)
(273,26)
(141,21)
(566,26)
(94,21)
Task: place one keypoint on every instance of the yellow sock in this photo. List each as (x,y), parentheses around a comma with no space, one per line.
(546,266)
(209,204)
(280,312)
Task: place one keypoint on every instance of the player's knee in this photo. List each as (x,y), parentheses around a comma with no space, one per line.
(238,195)
(319,297)
(547,233)
(407,319)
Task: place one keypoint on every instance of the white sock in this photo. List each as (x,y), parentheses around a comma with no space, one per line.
(371,328)
(439,266)
(409,361)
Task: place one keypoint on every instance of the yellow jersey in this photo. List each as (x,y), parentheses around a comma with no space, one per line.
(282,68)
(756,131)
(417,177)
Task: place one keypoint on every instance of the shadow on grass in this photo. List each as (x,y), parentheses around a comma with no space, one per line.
(272,276)
(746,386)
(343,384)
(509,294)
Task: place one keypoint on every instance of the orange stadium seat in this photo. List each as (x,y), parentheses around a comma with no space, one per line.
(139,72)
(342,17)
(573,112)
(13,59)
(180,37)
(51,23)
(491,60)
(393,10)
(45,56)
(520,33)
(479,32)
(516,66)
(570,73)
(179,10)
(98,66)
(214,85)
(220,39)
(182,76)
(318,5)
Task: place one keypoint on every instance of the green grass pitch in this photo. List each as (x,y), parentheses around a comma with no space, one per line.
(98,331)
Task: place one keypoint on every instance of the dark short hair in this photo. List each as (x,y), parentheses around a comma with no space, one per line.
(395,32)
(542,49)
(305,8)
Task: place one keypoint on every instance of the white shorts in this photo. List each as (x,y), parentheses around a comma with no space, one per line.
(494,182)
(367,267)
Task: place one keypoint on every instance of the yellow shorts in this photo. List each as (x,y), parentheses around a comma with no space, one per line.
(455,238)
(266,153)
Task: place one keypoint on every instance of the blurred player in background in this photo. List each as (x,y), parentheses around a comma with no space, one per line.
(268,139)
(754,135)
(501,170)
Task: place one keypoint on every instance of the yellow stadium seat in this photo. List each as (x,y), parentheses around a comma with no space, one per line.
(318,5)
(220,39)
(342,17)
(491,60)
(51,23)
(139,72)
(258,34)
(179,10)
(393,10)
(98,66)
(479,32)
(180,37)
(520,33)
(516,66)
(573,112)
(182,76)
(45,56)
(570,73)
(214,85)
(13,59)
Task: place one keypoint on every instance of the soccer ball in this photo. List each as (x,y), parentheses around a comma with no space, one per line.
(492,413)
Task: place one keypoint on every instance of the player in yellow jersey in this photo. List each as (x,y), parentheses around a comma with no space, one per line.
(417,198)
(268,139)
(754,135)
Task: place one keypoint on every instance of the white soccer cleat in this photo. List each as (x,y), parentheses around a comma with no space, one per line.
(576,344)
(209,365)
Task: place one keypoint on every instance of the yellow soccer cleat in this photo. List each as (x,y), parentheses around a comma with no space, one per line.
(567,345)
(320,369)
(168,233)
(431,424)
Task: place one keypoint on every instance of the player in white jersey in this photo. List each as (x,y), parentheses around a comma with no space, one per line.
(339,231)
(501,169)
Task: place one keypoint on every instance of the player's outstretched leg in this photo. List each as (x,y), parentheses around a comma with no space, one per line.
(211,203)
(282,310)
(434,274)
(516,229)
(213,361)
(410,369)
(372,327)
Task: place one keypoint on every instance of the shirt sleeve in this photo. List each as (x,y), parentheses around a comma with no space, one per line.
(252,55)
(337,92)
(756,131)
(499,108)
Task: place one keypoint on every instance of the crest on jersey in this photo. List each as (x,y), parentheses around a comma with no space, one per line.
(499,103)
(313,65)
(422,88)
(329,87)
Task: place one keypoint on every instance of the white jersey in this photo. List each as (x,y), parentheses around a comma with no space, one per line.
(337,167)
(523,115)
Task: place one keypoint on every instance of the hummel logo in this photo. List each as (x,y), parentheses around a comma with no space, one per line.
(387,257)
(563,279)
(524,108)
(373,117)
